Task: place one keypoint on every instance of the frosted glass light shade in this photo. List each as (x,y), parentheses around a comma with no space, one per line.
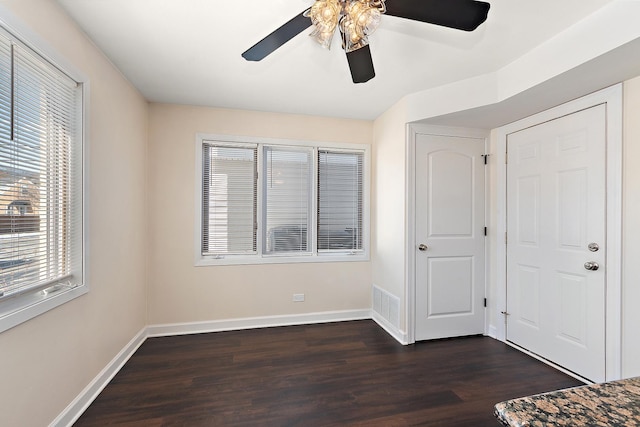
(324,16)
(355,18)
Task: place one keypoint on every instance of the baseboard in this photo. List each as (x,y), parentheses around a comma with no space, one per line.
(396,333)
(255,322)
(72,412)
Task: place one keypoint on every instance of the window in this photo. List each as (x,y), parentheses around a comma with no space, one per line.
(288,199)
(266,201)
(229,200)
(340,196)
(41,227)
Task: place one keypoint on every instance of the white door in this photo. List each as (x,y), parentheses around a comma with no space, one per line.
(450,236)
(555,227)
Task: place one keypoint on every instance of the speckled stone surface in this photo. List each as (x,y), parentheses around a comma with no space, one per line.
(610,404)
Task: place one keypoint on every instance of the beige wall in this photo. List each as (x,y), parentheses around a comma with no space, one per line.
(388,204)
(180,292)
(47,361)
(631,230)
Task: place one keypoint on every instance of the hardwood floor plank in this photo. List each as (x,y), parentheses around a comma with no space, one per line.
(348,373)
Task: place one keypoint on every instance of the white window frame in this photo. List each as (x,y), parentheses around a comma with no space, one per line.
(26,306)
(261,257)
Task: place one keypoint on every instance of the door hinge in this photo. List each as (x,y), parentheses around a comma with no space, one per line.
(486,158)
(485,302)
(485,231)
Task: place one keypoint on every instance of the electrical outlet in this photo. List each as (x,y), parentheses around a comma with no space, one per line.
(298,297)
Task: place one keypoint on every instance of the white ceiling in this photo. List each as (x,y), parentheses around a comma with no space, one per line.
(188,52)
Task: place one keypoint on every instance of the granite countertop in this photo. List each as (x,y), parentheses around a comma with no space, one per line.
(609,404)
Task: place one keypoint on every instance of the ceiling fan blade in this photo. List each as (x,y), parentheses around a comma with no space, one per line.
(459,14)
(276,39)
(361,65)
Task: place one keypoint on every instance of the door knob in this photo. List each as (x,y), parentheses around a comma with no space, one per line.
(423,247)
(591,265)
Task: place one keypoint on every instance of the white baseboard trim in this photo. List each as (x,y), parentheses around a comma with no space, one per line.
(72,412)
(396,333)
(255,322)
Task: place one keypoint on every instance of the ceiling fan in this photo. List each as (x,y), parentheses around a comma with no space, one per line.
(356,19)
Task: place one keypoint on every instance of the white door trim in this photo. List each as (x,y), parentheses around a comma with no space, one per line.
(612,97)
(414,129)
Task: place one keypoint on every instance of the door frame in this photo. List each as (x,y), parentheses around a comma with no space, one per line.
(413,130)
(612,98)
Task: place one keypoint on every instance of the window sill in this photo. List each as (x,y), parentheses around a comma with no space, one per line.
(279,259)
(19,309)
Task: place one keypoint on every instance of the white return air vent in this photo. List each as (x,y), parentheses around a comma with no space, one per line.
(386,306)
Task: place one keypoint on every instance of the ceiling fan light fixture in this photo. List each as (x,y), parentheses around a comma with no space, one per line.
(324,38)
(360,18)
(352,39)
(324,15)
(355,18)
(365,14)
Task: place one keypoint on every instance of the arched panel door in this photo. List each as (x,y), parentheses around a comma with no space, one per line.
(450,236)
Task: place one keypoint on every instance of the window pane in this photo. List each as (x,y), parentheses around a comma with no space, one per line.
(37,234)
(340,181)
(288,199)
(229,206)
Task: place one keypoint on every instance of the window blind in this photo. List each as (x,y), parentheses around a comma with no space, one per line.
(340,192)
(229,199)
(288,199)
(40,219)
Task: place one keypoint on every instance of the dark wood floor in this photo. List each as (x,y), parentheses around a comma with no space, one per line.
(349,373)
